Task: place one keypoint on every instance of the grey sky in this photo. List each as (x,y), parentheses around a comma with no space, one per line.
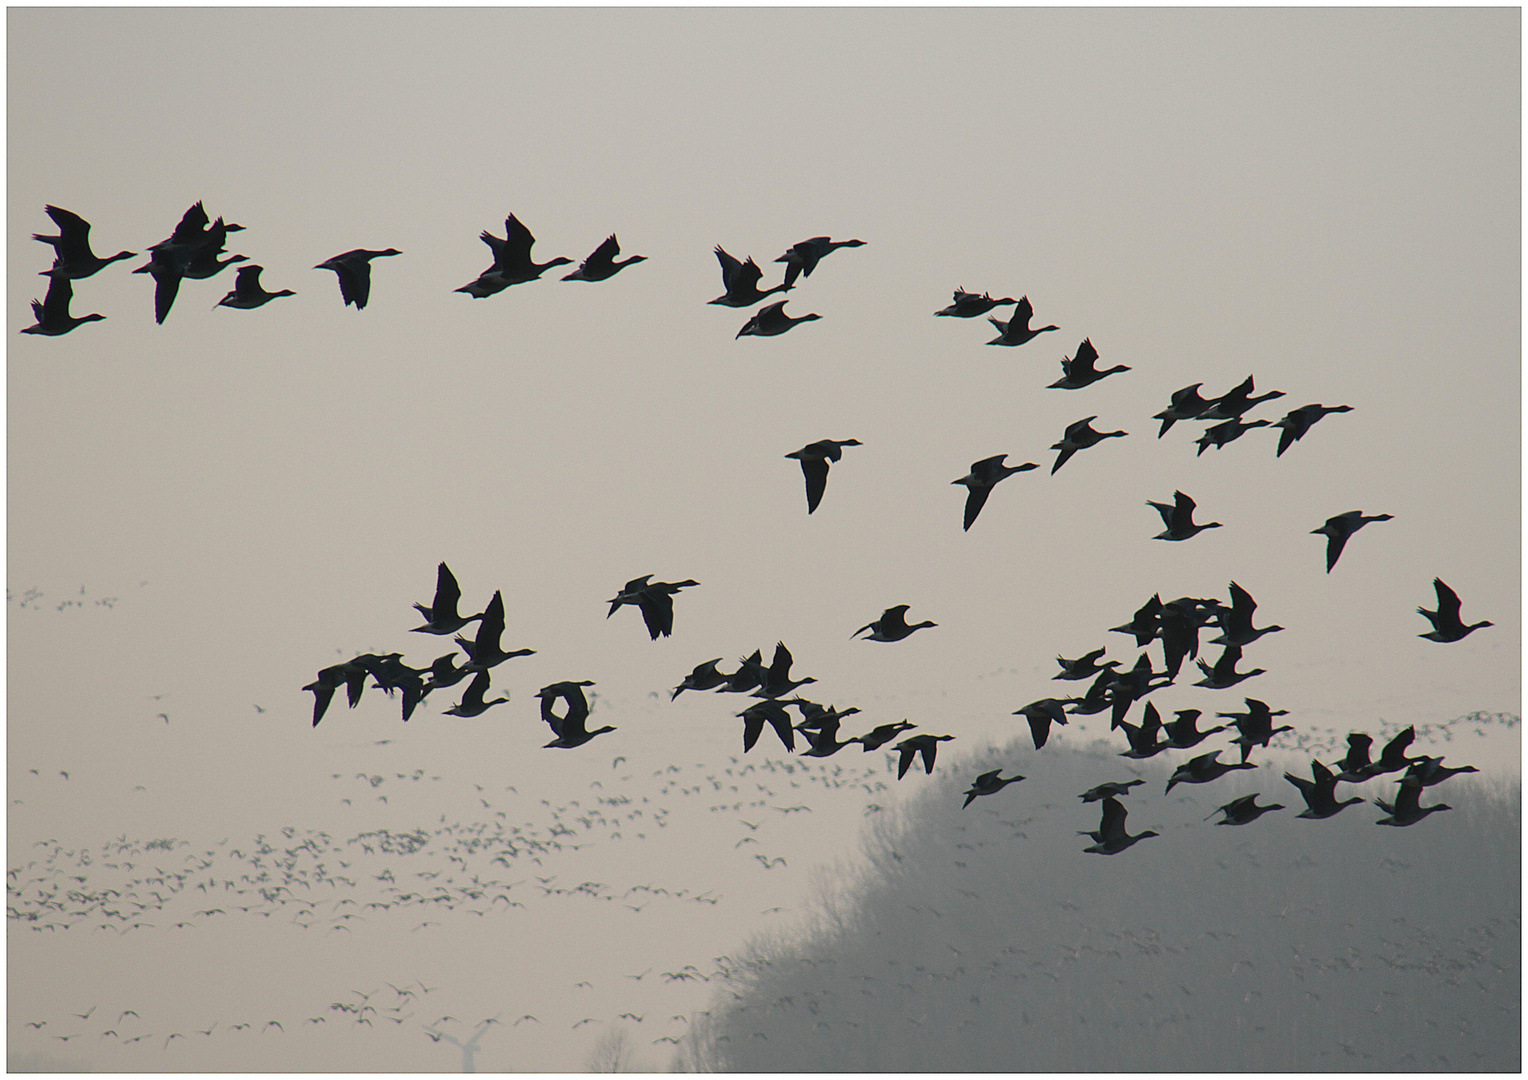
(1326,199)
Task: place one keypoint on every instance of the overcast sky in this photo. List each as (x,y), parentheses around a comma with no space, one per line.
(1328,200)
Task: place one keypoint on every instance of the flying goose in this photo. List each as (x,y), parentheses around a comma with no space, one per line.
(1041,714)
(1178,518)
(1186,404)
(1430,770)
(1016,331)
(1145,624)
(72,257)
(1143,739)
(512,262)
(601,264)
(814,458)
(52,311)
(705,676)
(1338,528)
(1113,789)
(1084,667)
(486,652)
(776,680)
(1079,371)
(968,304)
(247,291)
(1224,673)
(982,478)
(1218,435)
(1111,837)
(1320,793)
(1407,808)
(1236,401)
(773,713)
(655,599)
(741,282)
(802,258)
(771,320)
(353,268)
(1447,626)
(749,674)
(472,703)
(1298,421)
(1080,436)
(927,745)
(878,737)
(1183,730)
(441,616)
(891,626)
(569,728)
(1236,625)
(822,734)
(1203,769)
(1242,811)
(988,783)
(1255,726)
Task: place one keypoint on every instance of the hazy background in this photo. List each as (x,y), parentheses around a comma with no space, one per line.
(204,513)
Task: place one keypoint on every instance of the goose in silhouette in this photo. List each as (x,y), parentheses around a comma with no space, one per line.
(927,745)
(704,677)
(802,258)
(1320,793)
(1143,738)
(1183,730)
(353,268)
(814,458)
(891,626)
(331,679)
(1186,404)
(52,311)
(741,282)
(1084,667)
(822,734)
(1218,435)
(1178,518)
(485,651)
(748,676)
(982,478)
(988,783)
(441,616)
(1179,631)
(1016,331)
(1080,436)
(391,673)
(1111,837)
(1428,771)
(1203,769)
(472,703)
(655,599)
(444,672)
(776,680)
(72,257)
(878,737)
(1298,421)
(1079,371)
(192,230)
(1236,624)
(247,291)
(167,267)
(569,728)
(767,712)
(1112,790)
(512,262)
(1098,696)
(1393,757)
(969,304)
(1243,810)
(1255,726)
(1041,714)
(1407,808)
(1236,401)
(200,260)
(814,715)
(1145,624)
(1337,530)
(1224,673)
(771,320)
(602,263)
(1127,687)
(1355,766)
(1447,626)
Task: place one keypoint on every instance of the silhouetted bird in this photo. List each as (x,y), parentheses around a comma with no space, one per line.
(1298,421)
(444,672)
(1017,331)
(1183,730)
(776,679)
(1224,673)
(248,292)
(927,745)
(353,268)
(1041,714)
(822,734)
(1243,810)
(1084,667)
(878,737)
(1430,770)
(1111,837)
(1236,401)
(773,713)
(1355,766)
(1080,436)
(802,258)
(705,676)
(1320,792)
(1407,808)
(441,616)
(988,783)
(982,478)
(1229,431)
(1178,518)
(72,256)
(569,728)
(1337,530)
(1393,757)
(512,262)
(331,679)
(472,703)
(485,651)
(1203,769)
(741,282)
(1255,725)
(602,263)
(1186,404)
(814,458)
(1079,371)
(891,626)
(1447,626)
(1145,624)
(1113,789)
(52,311)
(655,599)
(771,320)
(747,677)
(968,304)
(1236,624)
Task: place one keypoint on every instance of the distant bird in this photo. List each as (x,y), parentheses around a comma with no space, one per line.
(444,673)
(892,625)
(247,291)
(802,258)
(1243,810)
(1079,371)
(776,679)
(705,676)
(1430,770)
(1219,435)
(1178,518)
(512,262)
(1111,837)
(988,783)
(822,734)
(331,679)
(441,616)
(1338,528)
(767,712)
(741,282)
(1099,696)
(927,745)
(1203,769)
(353,268)
(1080,436)
(878,737)
(1393,757)
(1183,730)
(602,263)
(472,703)
(982,478)
(486,651)
(1298,421)
(1236,625)
(1145,624)
(1113,789)
(1224,673)
(1186,404)
(52,311)
(1407,808)
(1447,626)
(654,599)
(771,320)
(569,728)
(1084,667)
(968,304)
(814,458)
(1041,714)
(72,256)
(748,676)
(1017,331)
(1355,766)
(1236,401)
(1320,792)
(1255,726)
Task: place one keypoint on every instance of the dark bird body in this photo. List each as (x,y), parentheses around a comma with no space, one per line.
(802,258)
(512,262)
(1080,436)
(982,478)
(741,282)
(569,728)
(1320,792)
(353,268)
(1447,626)
(1337,530)
(814,458)
(1080,371)
(52,311)
(1016,331)
(1178,518)
(771,321)
(247,291)
(967,304)
(1111,837)
(72,256)
(441,616)
(1298,421)
(892,625)
(1242,811)
(988,783)
(602,264)
(654,599)
(927,745)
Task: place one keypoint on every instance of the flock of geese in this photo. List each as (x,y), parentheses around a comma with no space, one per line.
(195,249)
